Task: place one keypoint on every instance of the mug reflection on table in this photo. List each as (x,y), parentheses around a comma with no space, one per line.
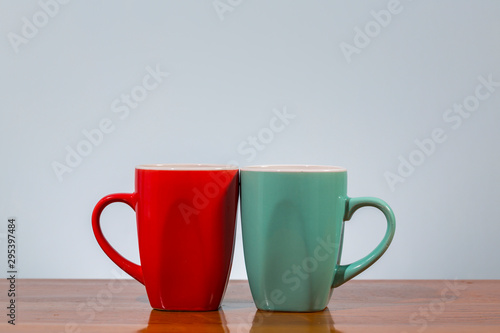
(163,321)
(277,322)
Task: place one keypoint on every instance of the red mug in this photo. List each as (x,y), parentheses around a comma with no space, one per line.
(186,216)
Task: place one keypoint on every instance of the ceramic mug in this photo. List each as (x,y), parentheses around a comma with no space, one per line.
(186,225)
(292,220)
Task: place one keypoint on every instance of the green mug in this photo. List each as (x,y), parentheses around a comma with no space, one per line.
(292,219)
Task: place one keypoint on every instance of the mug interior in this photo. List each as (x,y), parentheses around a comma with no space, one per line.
(294,168)
(187,167)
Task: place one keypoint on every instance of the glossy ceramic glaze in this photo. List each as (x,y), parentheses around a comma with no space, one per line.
(186,225)
(292,223)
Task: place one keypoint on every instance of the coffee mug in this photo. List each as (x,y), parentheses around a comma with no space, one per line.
(292,220)
(186,225)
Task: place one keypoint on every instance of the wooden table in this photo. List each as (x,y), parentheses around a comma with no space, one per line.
(359,306)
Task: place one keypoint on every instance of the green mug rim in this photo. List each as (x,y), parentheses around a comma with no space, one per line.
(294,168)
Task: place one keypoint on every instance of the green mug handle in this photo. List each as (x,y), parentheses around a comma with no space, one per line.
(346,272)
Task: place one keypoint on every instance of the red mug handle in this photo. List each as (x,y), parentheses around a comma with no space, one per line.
(129,267)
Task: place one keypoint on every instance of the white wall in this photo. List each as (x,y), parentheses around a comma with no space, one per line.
(362,108)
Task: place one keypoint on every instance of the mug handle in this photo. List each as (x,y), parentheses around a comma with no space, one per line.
(346,272)
(129,267)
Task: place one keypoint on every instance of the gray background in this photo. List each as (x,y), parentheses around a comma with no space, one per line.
(228,71)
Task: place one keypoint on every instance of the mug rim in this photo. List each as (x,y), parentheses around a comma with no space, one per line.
(186,167)
(293,168)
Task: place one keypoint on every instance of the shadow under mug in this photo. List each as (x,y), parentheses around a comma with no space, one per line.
(292,219)
(186,218)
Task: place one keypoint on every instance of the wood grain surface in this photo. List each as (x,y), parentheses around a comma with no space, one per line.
(359,306)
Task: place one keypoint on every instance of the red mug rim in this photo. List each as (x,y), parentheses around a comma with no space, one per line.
(186,167)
